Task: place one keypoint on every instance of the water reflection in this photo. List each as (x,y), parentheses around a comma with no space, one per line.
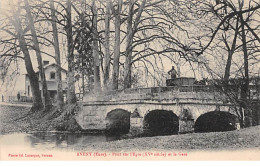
(50,140)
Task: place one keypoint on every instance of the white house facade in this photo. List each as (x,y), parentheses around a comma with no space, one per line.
(51,80)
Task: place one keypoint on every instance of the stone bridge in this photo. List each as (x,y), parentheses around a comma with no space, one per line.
(179,109)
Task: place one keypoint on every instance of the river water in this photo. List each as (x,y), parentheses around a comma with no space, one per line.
(53,140)
(43,140)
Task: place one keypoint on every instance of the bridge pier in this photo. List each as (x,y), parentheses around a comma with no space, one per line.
(136,123)
(186,126)
(186,121)
(136,126)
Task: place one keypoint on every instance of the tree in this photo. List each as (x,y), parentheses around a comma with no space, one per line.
(97,86)
(236,17)
(231,51)
(84,63)
(37,100)
(36,47)
(57,54)
(107,44)
(115,74)
(131,30)
(71,96)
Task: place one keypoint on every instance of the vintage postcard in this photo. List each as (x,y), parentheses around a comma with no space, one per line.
(129,80)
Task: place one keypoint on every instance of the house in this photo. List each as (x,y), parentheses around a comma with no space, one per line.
(51,80)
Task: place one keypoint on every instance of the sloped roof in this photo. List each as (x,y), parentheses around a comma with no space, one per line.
(48,66)
(53,64)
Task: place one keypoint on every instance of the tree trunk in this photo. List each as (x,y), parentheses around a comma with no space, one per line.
(245,86)
(115,74)
(230,54)
(57,56)
(107,44)
(95,54)
(131,30)
(71,96)
(37,100)
(36,47)
(242,118)
(129,44)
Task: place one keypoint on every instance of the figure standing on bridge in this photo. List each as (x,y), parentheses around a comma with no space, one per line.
(173,73)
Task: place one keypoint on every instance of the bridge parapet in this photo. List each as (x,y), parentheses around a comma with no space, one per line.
(182,93)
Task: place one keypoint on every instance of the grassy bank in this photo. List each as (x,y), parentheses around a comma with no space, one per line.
(12,118)
(248,138)
(18,118)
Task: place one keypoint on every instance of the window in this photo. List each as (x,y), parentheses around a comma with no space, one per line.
(52,75)
(28,90)
(45,63)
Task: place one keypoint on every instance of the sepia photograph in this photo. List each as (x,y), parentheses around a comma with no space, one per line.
(130,80)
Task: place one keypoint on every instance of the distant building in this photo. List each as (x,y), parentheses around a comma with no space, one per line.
(51,80)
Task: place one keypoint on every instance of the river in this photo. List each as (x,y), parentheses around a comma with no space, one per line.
(53,140)
(11,137)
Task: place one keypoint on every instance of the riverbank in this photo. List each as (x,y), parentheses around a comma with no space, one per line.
(12,118)
(18,118)
(27,104)
(243,139)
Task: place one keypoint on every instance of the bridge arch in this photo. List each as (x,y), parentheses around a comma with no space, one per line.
(216,121)
(118,121)
(160,122)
